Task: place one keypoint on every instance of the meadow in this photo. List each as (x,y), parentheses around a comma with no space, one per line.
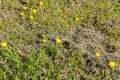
(59,39)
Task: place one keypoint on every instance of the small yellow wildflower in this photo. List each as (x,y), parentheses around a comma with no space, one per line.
(22,14)
(77,19)
(26,1)
(3,44)
(31,17)
(24,7)
(58,40)
(44,40)
(34,11)
(97,54)
(41,3)
(112,64)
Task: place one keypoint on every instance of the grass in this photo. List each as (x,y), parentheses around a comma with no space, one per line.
(26,57)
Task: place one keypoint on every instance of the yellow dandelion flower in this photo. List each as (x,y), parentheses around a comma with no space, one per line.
(97,54)
(24,7)
(58,40)
(77,19)
(31,17)
(22,14)
(112,64)
(44,40)
(41,3)
(34,11)
(26,1)
(3,44)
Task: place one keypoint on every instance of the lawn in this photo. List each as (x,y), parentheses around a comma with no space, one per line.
(59,39)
